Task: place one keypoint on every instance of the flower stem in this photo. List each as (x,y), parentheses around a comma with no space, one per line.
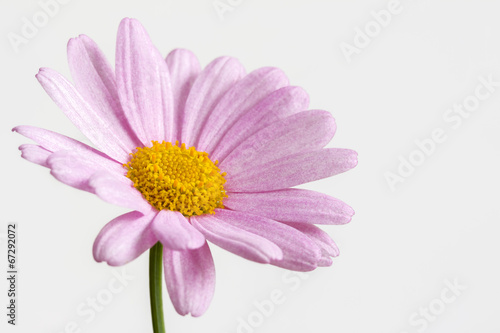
(155,281)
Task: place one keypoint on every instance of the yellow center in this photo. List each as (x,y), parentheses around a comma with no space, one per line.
(175,178)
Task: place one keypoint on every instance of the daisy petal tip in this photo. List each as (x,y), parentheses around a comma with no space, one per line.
(96,251)
(108,261)
(303,268)
(131,23)
(198,312)
(182,53)
(42,70)
(332,124)
(43,74)
(21,129)
(349,160)
(354,158)
(125,20)
(325,262)
(71,43)
(124,239)
(348,213)
(190,279)
(347,220)
(113,263)
(99,255)
(98,259)
(195,313)
(76,42)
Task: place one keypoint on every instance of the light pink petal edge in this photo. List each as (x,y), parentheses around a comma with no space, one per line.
(190,279)
(124,239)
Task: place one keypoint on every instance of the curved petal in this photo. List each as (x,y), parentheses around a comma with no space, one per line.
(55,142)
(124,239)
(94,79)
(35,154)
(143,83)
(320,237)
(175,232)
(300,253)
(208,88)
(91,123)
(291,170)
(292,205)
(190,279)
(325,261)
(232,238)
(72,169)
(236,101)
(184,68)
(276,106)
(118,192)
(303,131)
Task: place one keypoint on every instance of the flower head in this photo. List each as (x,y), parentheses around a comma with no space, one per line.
(197,155)
(178,179)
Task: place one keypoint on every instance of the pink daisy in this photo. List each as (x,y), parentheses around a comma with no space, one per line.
(197,155)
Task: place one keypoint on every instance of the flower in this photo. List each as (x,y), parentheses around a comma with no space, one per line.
(197,155)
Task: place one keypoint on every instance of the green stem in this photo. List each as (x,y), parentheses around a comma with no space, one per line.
(155,281)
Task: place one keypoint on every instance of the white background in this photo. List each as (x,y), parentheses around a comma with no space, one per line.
(441,223)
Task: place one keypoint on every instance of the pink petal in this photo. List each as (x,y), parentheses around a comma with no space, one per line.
(292,205)
(236,240)
(184,68)
(143,83)
(304,131)
(237,101)
(91,123)
(71,169)
(118,191)
(76,171)
(190,279)
(95,80)
(277,105)
(55,142)
(35,154)
(124,239)
(292,170)
(175,232)
(321,238)
(325,261)
(208,88)
(299,251)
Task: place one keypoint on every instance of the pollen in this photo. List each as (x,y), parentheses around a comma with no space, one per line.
(177,178)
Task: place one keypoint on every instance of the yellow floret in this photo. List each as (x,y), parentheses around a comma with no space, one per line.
(177,178)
